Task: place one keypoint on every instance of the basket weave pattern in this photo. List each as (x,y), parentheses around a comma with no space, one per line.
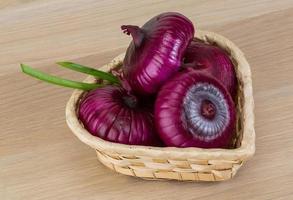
(184,170)
(185,164)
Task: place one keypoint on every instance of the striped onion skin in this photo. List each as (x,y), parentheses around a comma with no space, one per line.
(213,60)
(180,115)
(156,51)
(113,115)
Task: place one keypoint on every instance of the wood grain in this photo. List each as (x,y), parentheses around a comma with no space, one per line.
(41,159)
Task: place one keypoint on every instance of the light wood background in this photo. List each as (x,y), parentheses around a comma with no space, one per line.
(41,159)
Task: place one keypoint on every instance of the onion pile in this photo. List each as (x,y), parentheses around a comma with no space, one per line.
(172,90)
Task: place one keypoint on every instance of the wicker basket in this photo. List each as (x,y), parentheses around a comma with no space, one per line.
(184,164)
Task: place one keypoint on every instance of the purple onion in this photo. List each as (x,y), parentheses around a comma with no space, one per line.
(213,60)
(111,113)
(156,51)
(195,110)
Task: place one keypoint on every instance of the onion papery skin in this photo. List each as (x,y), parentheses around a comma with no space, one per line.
(156,51)
(105,114)
(177,112)
(213,60)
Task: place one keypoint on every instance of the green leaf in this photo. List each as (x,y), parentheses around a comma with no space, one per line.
(91,71)
(56,80)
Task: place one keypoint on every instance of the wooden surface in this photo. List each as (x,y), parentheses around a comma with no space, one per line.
(41,159)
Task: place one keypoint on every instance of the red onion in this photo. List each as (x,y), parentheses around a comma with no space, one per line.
(156,50)
(195,110)
(114,115)
(213,60)
(108,111)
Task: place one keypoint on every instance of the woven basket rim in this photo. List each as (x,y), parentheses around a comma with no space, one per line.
(245,151)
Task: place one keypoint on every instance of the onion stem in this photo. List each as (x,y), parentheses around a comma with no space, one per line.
(88,70)
(56,80)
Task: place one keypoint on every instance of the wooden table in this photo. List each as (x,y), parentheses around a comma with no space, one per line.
(41,159)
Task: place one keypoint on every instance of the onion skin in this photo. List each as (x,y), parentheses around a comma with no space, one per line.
(213,60)
(112,114)
(177,127)
(156,51)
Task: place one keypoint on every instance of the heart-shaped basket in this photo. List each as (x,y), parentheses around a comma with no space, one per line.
(184,164)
